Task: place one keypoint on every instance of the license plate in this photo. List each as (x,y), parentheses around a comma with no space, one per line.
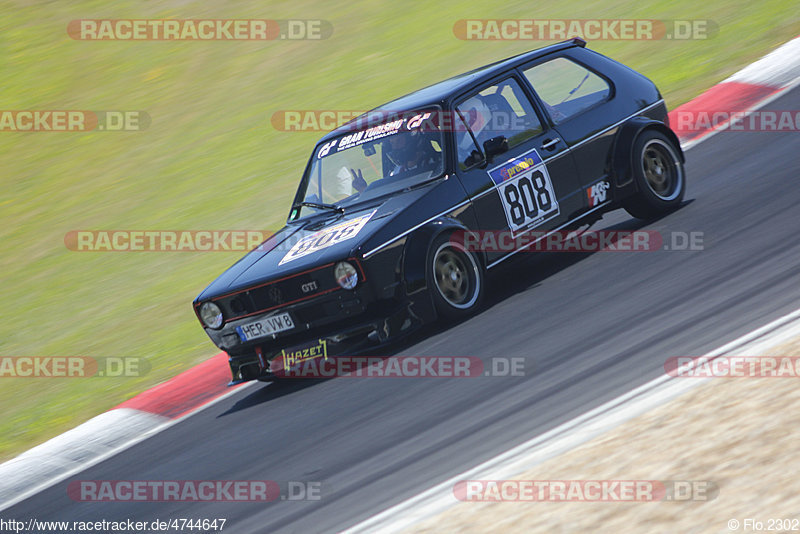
(265,327)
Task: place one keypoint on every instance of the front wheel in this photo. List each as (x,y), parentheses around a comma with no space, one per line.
(659,175)
(456,278)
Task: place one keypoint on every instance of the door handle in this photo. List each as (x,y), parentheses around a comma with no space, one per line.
(550,144)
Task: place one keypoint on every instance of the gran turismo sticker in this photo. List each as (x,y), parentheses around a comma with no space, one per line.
(597,193)
(373,133)
(327,237)
(364,136)
(417,120)
(526,191)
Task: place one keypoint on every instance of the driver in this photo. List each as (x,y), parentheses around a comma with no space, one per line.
(410,153)
(478,117)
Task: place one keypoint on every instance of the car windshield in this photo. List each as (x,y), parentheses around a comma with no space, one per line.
(371,161)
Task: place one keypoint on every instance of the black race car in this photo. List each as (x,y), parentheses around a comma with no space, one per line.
(541,142)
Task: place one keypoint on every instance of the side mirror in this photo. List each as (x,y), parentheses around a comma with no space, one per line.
(475,158)
(495,146)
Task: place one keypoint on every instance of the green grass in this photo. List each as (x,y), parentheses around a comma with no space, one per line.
(211,159)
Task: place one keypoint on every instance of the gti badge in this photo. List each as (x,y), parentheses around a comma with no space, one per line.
(310,286)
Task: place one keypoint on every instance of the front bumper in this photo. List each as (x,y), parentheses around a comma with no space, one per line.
(311,318)
(266,361)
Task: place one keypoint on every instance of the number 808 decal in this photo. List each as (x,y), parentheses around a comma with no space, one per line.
(526,191)
(327,237)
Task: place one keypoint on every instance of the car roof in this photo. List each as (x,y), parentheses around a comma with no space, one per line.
(439,92)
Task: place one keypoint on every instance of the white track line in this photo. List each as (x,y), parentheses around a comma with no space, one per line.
(77,437)
(572,433)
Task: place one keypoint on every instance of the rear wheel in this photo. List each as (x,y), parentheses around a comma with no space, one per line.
(456,278)
(659,175)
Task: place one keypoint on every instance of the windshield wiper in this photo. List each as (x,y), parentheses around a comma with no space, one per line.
(320,205)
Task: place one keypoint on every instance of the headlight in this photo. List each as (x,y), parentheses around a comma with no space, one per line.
(346,275)
(211,315)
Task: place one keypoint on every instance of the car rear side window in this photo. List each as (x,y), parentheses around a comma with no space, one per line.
(566,88)
(501,109)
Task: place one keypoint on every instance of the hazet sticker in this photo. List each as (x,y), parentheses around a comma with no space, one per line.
(327,237)
(304,353)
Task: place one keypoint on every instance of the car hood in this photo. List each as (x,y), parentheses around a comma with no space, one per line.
(320,240)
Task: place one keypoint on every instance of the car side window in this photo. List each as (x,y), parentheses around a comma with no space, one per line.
(566,88)
(501,109)
(468,152)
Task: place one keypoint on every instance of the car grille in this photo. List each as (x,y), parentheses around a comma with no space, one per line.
(280,293)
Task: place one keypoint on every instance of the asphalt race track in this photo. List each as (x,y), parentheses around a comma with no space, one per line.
(590,327)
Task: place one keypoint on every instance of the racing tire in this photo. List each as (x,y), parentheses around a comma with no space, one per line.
(659,175)
(456,278)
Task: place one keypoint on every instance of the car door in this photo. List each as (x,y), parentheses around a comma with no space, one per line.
(577,100)
(531,184)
